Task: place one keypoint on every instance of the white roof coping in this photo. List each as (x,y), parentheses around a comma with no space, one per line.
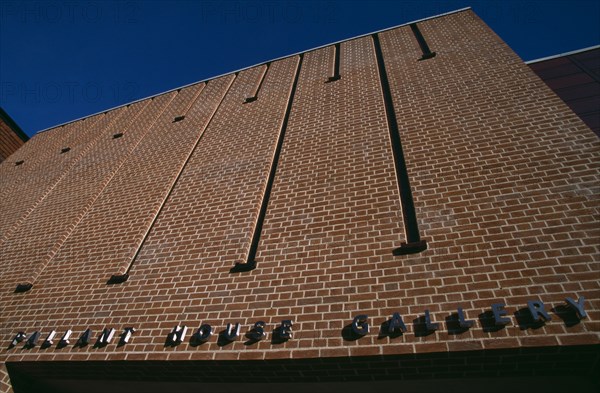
(258,64)
(574,52)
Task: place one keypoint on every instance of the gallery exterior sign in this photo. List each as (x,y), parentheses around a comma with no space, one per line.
(359,327)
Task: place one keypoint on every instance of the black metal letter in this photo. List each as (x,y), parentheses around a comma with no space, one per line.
(497,309)
(126,336)
(536,309)
(396,323)
(106,336)
(257,332)
(177,335)
(48,341)
(578,306)
(461,319)
(430,326)
(18,338)
(85,338)
(33,339)
(203,333)
(284,331)
(232,333)
(360,325)
(65,338)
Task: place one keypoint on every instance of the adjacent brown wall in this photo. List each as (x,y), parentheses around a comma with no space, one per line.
(504,178)
(11,136)
(576,79)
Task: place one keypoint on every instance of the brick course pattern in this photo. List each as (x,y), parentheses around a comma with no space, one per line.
(503,174)
(44,166)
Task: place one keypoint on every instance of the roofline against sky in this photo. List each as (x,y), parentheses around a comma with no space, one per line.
(573,52)
(13,125)
(256,65)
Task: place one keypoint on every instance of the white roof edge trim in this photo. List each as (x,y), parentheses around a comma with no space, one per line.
(573,52)
(256,65)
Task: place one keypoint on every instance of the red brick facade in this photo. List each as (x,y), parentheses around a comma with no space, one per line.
(504,179)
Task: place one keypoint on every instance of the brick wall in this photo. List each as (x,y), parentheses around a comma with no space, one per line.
(503,176)
(44,166)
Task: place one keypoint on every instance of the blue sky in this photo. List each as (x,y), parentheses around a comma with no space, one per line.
(63,60)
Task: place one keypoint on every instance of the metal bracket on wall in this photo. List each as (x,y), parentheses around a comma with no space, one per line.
(23,287)
(118,278)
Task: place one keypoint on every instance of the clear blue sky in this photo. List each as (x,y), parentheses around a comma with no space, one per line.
(63,60)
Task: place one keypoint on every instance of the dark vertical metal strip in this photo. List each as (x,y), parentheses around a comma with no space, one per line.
(336,65)
(427,53)
(413,239)
(119,278)
(250,263)
(262,79)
